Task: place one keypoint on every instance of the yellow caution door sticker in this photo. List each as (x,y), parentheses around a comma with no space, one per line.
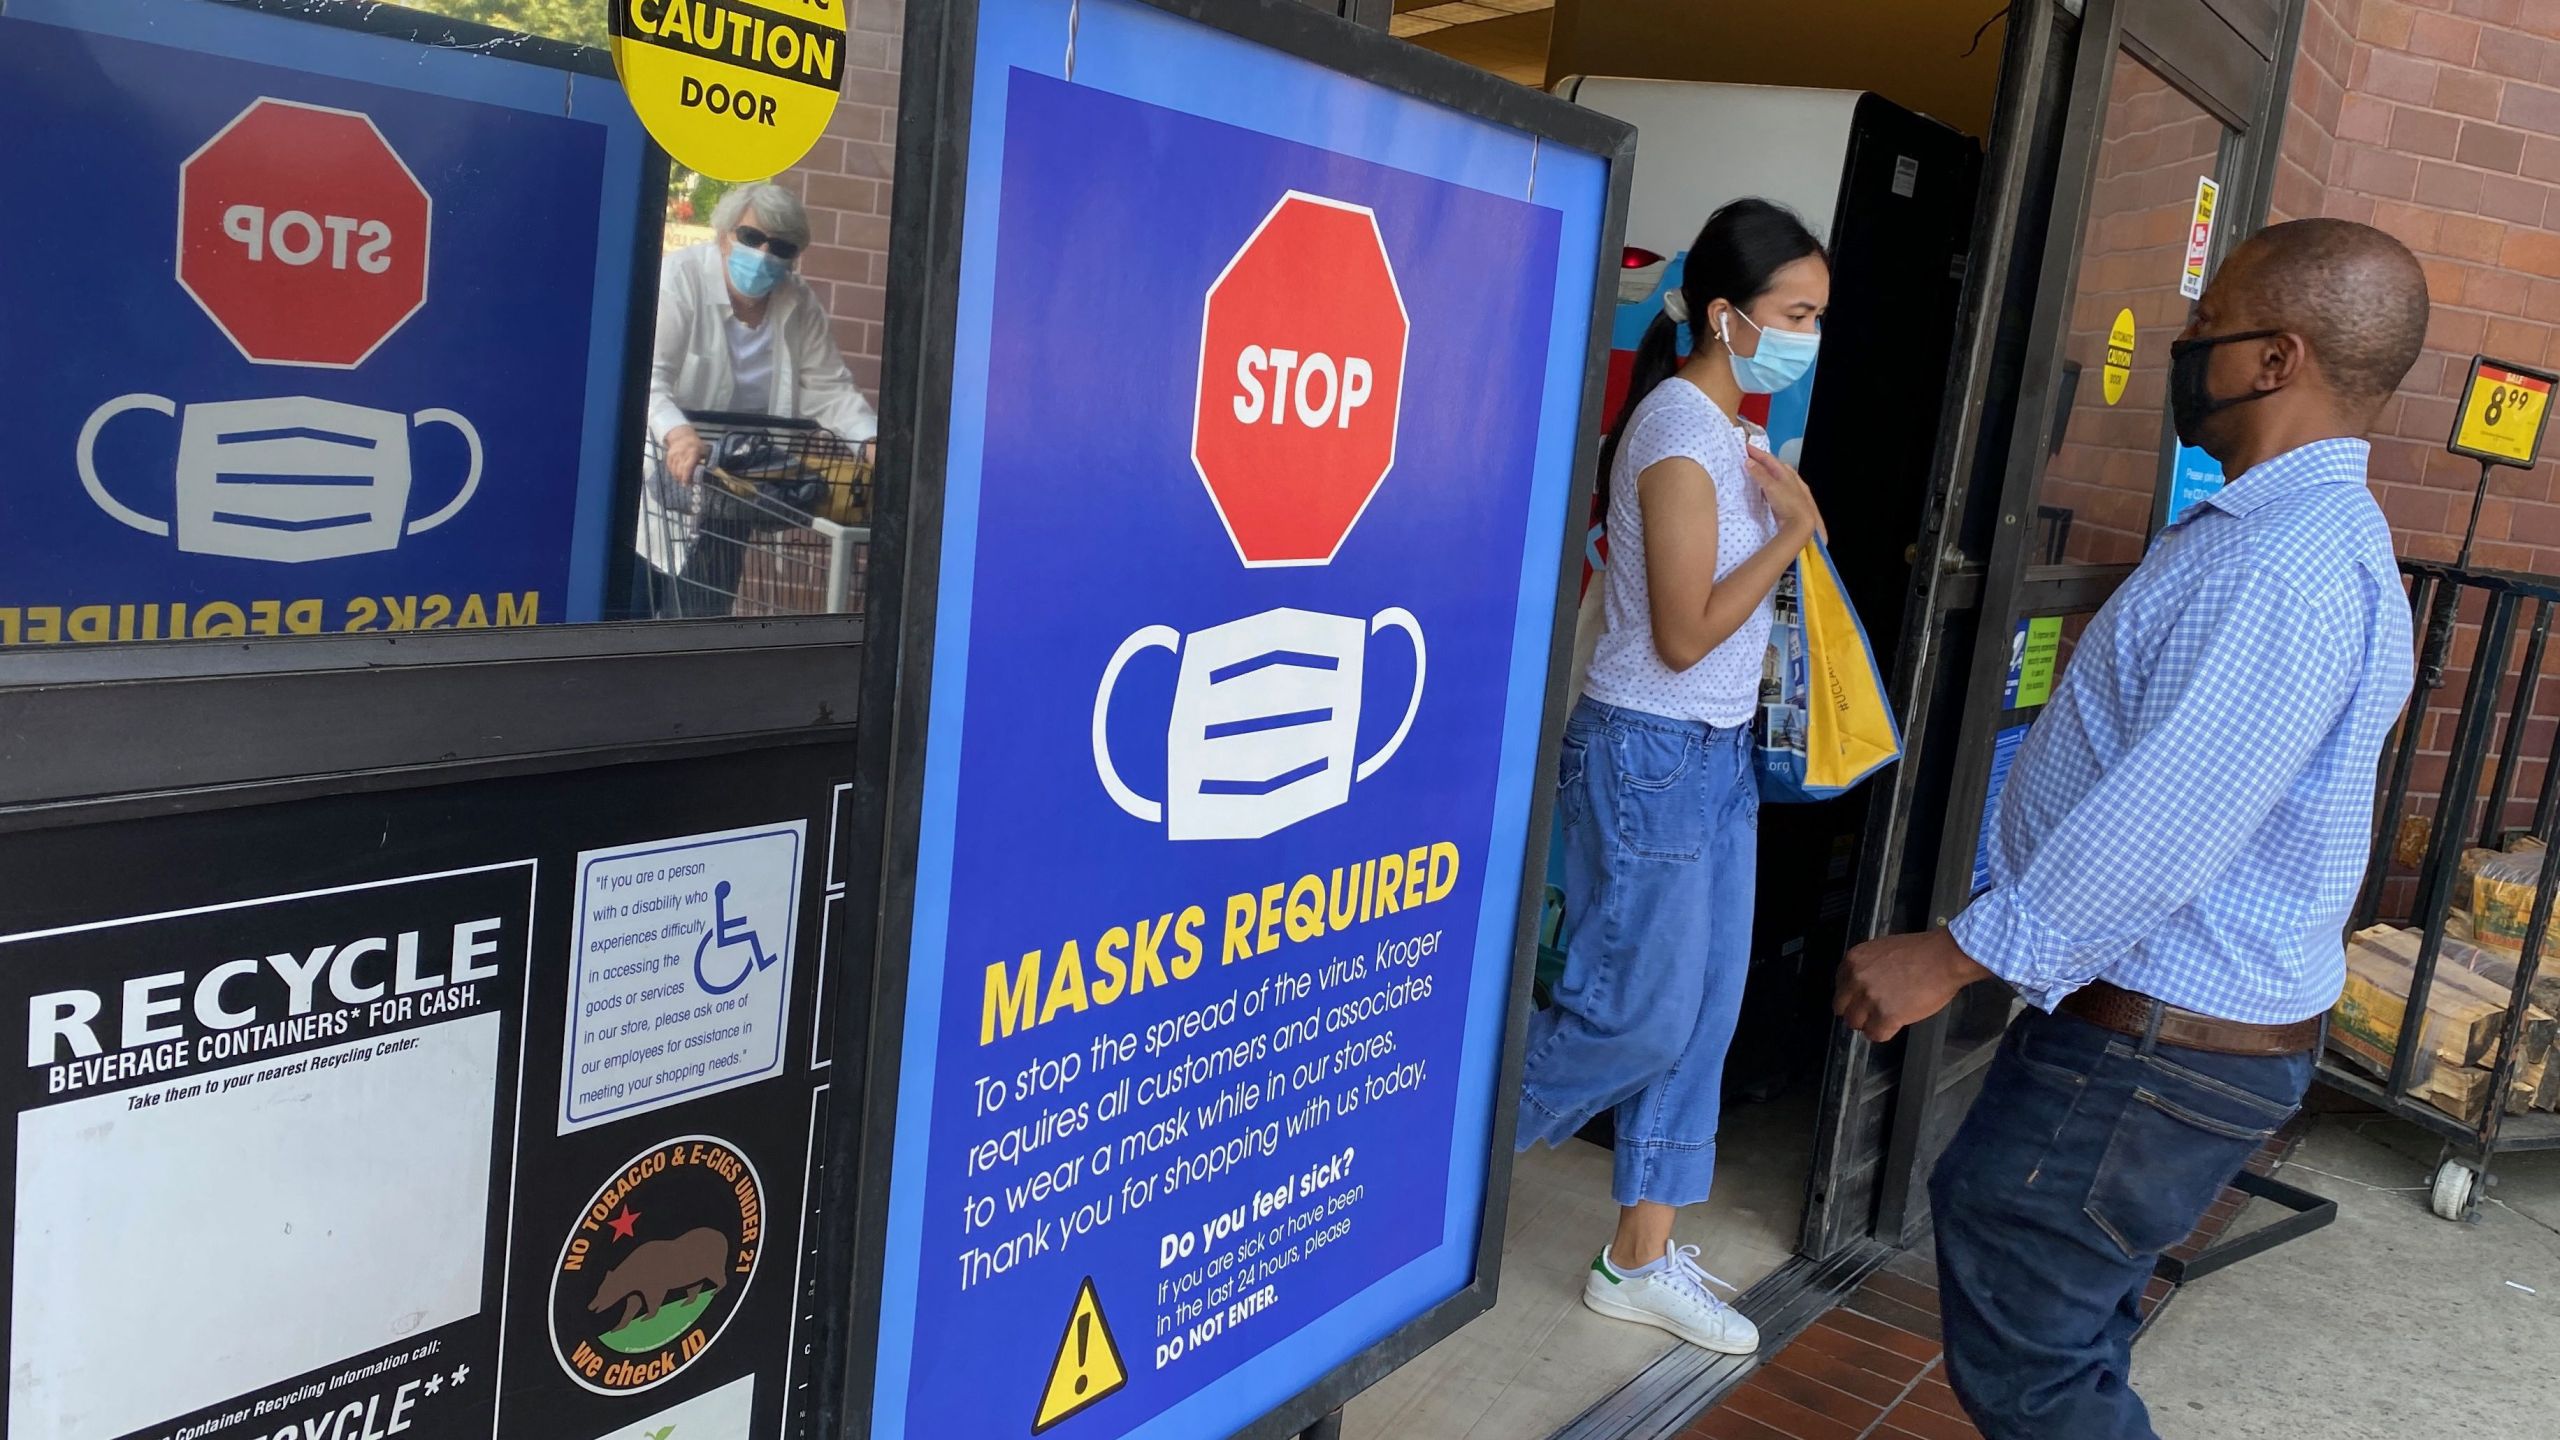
(2119,368)
(734,89)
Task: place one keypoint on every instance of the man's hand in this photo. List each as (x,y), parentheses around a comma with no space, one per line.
(1901,980)
(685,453)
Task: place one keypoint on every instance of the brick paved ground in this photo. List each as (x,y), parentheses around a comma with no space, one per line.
(1873,1368)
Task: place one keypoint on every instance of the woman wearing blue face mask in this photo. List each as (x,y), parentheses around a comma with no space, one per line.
(1659,799)
(737,331)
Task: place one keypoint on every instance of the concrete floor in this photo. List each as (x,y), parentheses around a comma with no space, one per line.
(1540,1359)
(2389,1324)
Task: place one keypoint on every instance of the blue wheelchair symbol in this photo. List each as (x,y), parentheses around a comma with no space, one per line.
(730,932)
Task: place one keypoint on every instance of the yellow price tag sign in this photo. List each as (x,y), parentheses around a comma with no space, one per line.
(2503,413)
(734,89)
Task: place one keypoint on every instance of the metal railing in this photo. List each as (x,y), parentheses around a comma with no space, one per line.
(2488,746)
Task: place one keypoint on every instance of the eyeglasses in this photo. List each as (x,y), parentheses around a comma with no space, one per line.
(755,239)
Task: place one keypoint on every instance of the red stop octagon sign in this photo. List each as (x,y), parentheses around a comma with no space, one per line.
(303,234)
(1301,378)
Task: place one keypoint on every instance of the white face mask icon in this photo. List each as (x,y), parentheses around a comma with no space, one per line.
(1266,715)
(290,479)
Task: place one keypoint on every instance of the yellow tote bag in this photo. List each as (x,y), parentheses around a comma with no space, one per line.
(1824,721)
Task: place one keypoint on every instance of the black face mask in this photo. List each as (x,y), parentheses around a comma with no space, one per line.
(2191,398)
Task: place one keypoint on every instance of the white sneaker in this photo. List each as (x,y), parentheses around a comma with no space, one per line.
(1673,1298)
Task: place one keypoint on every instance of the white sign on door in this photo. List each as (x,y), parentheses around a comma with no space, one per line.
(680,980)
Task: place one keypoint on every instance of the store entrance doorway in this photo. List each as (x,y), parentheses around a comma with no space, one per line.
(2166,161)
(2031,485)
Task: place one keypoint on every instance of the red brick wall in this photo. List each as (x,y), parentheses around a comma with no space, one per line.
(2446,132)
(845,183)
(2439,121)
(2319,95)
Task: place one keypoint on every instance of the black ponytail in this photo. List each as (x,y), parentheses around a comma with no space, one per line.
(1736,258)
(1657,360)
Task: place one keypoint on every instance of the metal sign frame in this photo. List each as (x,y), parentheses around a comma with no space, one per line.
(926,234)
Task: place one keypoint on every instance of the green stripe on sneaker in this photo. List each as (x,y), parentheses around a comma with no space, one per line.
(1600,1266)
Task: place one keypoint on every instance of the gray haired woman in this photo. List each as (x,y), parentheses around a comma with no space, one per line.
(738,330)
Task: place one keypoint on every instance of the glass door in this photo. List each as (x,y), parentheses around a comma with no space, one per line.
(2162,161)
(2097,501)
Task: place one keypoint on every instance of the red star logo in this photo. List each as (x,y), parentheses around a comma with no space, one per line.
(624,1224)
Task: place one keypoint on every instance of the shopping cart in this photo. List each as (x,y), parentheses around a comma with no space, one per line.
(775,521)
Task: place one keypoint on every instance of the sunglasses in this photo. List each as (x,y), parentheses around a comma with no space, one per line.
(755,239)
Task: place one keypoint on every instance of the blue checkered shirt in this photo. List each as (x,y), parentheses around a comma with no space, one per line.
(2191,815)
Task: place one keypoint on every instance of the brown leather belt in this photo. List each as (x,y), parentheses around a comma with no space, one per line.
(2111,1007)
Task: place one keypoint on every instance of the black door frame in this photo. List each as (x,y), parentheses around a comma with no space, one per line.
(1859,1083)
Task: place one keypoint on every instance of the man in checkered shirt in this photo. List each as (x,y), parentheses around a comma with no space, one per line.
(2176,851)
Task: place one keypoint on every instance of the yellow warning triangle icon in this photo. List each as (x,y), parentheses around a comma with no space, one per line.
(1088,1366)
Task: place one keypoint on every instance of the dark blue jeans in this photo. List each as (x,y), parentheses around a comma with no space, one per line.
(2087,1155)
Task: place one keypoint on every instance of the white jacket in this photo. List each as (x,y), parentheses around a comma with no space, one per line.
(691,369)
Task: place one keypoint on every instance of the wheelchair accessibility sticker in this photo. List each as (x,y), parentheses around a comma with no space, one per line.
(680,984)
